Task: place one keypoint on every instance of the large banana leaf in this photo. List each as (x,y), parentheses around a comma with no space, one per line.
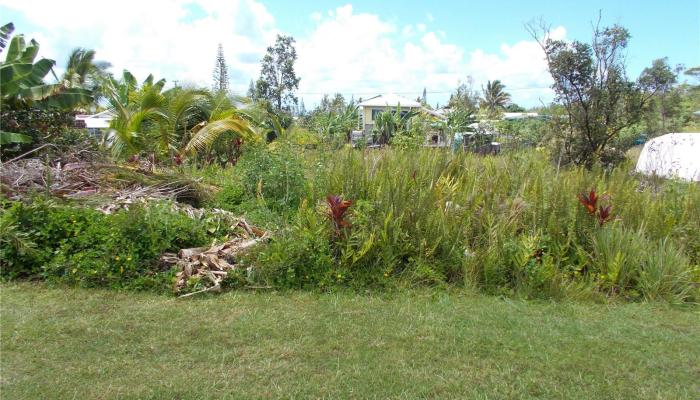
(13,137)
(29,52)
(5,32)
(14,50)
(69,98)
(11,75)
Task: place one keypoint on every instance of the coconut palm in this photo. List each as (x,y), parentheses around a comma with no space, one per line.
(137,110)
(82,71)
(495,98)
(225,122)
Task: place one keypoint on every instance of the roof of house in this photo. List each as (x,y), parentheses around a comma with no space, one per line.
(389,100)
(99,120)
(519,115)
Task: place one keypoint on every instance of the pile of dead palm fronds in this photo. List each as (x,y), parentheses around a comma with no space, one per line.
(122,184)
(210,265)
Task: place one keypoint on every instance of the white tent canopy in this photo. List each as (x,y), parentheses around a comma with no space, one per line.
(672,155)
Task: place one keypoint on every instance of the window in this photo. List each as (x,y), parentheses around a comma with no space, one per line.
(375,112)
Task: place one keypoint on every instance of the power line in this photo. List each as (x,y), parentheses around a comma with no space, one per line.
(420,92)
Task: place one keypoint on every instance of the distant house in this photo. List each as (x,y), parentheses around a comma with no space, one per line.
(96,124)
(369,109)
(510,116)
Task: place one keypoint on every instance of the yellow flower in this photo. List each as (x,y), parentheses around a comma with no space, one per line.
(128,259)
(116,258)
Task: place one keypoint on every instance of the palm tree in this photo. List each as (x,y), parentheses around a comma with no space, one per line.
(82,71)
(495,98)
(137,110)
(175,123)
(224,121)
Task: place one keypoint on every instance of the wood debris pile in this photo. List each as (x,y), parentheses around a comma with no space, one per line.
(210,265)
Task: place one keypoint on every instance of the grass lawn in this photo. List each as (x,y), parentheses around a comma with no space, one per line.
(95,344)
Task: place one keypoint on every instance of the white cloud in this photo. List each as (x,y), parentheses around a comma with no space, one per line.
(344,51)
(362,54)
(172,39)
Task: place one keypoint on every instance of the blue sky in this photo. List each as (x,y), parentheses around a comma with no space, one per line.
(357,48)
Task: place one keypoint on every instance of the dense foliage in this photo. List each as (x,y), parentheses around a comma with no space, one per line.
(507,225)
(46,240)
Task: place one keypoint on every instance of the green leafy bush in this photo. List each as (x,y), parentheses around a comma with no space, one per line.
(275,176)
(85,247)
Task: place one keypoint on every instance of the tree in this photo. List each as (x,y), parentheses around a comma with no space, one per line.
(465,98)
(252,93)
(590,82)
(175,123)
(512,107)
(220,74)
(390,122)
(666,100)
(495,98)
(278,80)
(693,72)
(82,71)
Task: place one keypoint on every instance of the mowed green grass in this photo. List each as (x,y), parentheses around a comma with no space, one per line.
(93,344)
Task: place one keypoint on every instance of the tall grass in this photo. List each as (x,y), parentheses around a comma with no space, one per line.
(508,224)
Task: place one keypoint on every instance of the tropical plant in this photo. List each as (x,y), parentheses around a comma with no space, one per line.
(22,80)
(136,111)
(388,123)
(5,33)
(224,120)
(495,98)
(175,123)
(337,208)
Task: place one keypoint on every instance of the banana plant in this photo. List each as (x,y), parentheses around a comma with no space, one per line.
(22,80)
(389,122)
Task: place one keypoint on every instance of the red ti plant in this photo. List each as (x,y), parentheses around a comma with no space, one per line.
(604,214)
(590,203)
(337,207)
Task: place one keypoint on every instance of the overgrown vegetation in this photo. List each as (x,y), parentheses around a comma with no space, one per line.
(78,245)
(561,217)
(510,224)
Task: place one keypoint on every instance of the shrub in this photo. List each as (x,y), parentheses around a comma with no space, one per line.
(85,247)
(275,176)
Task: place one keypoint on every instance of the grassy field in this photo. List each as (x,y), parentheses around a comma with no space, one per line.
(95,344)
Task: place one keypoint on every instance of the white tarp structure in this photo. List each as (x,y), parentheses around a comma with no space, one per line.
(672,155)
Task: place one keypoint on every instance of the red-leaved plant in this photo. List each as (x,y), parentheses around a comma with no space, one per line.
(590,203)
(604,214)
(337,207)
